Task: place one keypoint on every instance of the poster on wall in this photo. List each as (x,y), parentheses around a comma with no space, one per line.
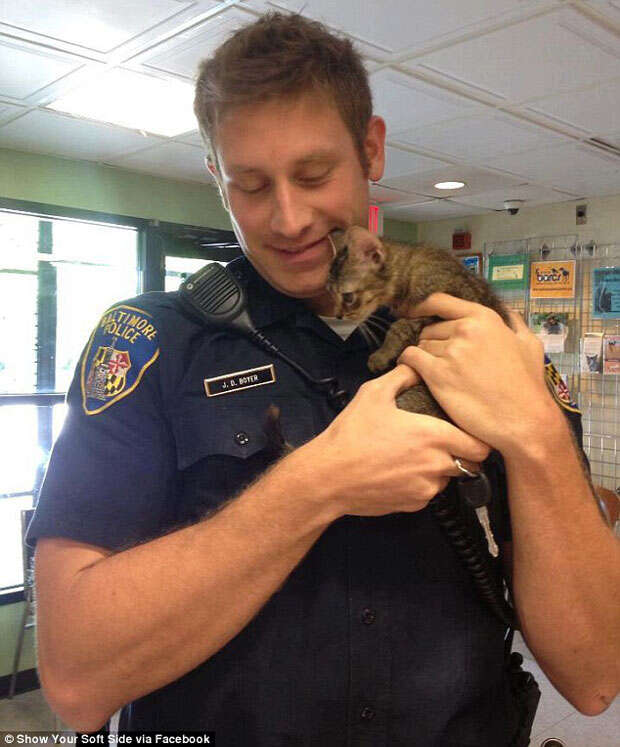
(551,328)
(611,354)
(508,271)
(606,292)
(555,279)
(471,262)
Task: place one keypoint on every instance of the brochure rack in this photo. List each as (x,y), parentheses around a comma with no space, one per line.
(596,393)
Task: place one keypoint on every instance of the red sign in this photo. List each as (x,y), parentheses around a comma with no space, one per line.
(374,218)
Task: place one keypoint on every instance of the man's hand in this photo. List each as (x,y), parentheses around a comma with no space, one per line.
(487,377)
(376,459)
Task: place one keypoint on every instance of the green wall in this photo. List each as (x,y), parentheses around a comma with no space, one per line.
(10,622)
(400,231)
(93,186)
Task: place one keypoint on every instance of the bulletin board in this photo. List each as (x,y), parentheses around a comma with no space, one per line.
(596,392)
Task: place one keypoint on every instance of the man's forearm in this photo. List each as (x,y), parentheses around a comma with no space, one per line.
(566,569)
(144,617)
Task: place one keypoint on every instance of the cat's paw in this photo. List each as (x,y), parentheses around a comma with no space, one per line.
(379,361)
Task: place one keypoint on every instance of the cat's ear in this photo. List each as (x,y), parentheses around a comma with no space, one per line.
(367,247)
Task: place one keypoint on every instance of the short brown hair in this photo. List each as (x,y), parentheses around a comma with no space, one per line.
(282,55)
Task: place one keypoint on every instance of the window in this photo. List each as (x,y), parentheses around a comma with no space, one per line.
(56,279)
(180,268)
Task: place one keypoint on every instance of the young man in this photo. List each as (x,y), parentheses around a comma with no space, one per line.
(315,601)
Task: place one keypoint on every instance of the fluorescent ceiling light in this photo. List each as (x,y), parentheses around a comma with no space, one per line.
(134,100)
(449,185)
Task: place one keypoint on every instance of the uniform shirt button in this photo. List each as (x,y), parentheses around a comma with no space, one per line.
(367,713)
(368,616)
(242,438)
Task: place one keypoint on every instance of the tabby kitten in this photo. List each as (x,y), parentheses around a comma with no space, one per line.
(368,272)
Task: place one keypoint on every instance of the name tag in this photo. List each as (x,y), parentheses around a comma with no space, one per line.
(235,382)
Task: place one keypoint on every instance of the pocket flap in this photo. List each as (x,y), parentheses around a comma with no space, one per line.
(238,431)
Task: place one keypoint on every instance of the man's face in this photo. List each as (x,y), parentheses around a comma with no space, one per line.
(290,173)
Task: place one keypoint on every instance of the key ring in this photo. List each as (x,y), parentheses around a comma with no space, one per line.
(464,470)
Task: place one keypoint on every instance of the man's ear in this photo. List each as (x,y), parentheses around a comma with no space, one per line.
(374,147)
(366,246)
(215,173)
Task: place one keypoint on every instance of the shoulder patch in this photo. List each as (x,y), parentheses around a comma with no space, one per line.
(558,388)
(121,348)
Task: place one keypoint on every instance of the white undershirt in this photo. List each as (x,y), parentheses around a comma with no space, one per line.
(342,327)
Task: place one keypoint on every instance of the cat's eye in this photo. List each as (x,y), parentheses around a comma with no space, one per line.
(348,298)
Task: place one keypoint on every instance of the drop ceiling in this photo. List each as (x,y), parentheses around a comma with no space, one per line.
(518,98)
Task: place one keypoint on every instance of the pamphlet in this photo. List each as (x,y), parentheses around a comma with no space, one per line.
(591,352)
(472,262)
(551,328)
(611,354)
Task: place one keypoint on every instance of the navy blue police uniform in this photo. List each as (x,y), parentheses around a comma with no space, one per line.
(377,638)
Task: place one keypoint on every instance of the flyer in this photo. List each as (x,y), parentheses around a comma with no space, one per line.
(508,271)
(555,279)
(591,358)
(611,354)
(472,262)
(606,293)
(551,328)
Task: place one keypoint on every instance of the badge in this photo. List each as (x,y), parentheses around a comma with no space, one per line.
(239,380)
(558,388)
(121,348)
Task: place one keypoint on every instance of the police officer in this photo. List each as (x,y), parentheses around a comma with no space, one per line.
(315,598)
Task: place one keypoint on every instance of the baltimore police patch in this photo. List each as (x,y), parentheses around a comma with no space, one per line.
(121,348)
(558,388)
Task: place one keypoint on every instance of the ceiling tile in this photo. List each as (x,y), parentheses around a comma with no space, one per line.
(555,53)
(370,65)
(472,138)
(9,111)
(191,138)
(434,210)
(529,193)
(383,195)
(597,185)
(47,132)
(181,54)
(418,20)
(400,162)
(613,139)
(595,110)
(100,26)
(405,102)
(174,160)
(610,8)
(577,169)
(476,181)
(25,69)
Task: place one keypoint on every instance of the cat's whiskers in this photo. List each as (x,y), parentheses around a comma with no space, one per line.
(378,322)
(333,246)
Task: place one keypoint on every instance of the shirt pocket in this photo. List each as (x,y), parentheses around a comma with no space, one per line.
(222,446)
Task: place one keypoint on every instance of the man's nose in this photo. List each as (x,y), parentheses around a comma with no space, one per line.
(290,214)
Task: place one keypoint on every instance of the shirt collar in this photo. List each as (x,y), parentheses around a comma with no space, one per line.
(268,306)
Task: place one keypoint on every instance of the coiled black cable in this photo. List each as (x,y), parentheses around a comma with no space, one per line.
(485,573)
